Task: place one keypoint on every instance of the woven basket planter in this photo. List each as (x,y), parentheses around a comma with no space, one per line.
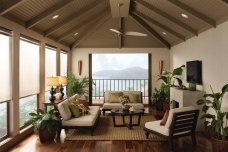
(219,145)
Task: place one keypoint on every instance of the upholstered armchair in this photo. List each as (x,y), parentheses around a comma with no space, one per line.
(181,122)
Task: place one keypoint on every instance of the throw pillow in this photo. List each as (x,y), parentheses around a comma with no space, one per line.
(134,98)
(84,102)
(83,110)
(124,99)
(165,117)
(74,110)
(114,97)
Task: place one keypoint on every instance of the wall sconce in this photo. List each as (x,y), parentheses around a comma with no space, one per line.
(161,66)
(52,81)
(79,67)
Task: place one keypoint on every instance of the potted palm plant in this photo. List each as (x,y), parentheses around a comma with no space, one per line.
(77,85)
(46,123)
(216,119)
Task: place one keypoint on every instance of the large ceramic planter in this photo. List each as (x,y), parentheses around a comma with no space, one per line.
(219,145)
(46,136)
(165,106)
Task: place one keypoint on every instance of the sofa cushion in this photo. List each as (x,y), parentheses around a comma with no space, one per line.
(114,97)
(112,105)
(155,126)
(74,110)
(107,95)
(133,98)
(64,110)
(84,102)
(135,93)
(86,120)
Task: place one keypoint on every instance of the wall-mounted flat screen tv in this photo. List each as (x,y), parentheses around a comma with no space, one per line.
(194,71)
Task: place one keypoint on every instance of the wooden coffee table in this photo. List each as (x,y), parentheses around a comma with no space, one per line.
(123,113)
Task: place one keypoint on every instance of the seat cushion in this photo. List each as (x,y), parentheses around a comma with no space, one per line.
(137,106)
(86,120)
(155,126)
(112,106)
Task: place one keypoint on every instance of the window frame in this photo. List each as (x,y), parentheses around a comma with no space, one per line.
(7,119)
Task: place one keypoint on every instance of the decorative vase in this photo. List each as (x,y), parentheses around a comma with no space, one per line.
(161,65)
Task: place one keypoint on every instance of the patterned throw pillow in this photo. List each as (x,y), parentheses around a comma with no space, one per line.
(124,99)
(134,98)
(114,97)
(83,110)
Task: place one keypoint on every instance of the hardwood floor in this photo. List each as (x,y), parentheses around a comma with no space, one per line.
(32,144)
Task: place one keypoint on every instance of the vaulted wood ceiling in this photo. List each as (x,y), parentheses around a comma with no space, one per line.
(92,19)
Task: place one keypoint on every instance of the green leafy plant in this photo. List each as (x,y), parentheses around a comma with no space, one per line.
(76,85)
(216,122)
(161,94)
(169,78)
(45,120)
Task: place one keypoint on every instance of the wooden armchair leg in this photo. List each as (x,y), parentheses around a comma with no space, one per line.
(103,112)
(194,140)
(171,143)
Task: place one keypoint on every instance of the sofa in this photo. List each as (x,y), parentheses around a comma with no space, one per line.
(111,102)
(89,120)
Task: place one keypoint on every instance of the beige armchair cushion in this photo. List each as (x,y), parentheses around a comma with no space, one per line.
(155,126)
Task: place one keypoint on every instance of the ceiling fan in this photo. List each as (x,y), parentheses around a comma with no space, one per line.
(130,33)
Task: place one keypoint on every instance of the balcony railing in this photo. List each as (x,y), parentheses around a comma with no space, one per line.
(102,85)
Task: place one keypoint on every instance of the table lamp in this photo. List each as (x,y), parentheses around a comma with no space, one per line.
(62,81)
(52,81)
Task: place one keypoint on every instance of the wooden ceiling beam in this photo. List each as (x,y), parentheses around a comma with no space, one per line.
(37,19)
(150,30)
(165,28)
(225,1)
(193,12)
(91,30)
(167,16)
(122,30)
(72,17)
(9,5)
(83,23)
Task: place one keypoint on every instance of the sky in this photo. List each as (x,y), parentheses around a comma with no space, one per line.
(118,61)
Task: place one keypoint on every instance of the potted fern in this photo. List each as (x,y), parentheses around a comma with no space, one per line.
(216,121)
(77,85)
(46,123)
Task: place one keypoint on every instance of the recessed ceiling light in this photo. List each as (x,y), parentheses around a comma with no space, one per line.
(75,34)
(164,33)
(184,15)
(55,17)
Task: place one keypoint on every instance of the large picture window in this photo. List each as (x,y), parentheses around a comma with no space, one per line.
(29,77)
(117,72)
(5,97)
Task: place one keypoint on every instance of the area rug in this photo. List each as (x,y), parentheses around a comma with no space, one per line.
(106,131)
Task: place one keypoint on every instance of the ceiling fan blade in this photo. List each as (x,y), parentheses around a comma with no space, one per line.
(135,34)
(116,31)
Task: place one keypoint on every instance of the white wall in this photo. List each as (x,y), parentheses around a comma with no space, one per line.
(211,47)
(83,54)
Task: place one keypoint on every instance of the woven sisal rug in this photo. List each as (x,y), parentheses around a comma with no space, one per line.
(106,131)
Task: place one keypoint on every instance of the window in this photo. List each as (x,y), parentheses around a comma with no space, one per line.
(50,67)
(29,77)
(117,72)
(63,63)
(5,97)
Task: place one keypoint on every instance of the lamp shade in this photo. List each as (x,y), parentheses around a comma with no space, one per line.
(62,80)
(52,81)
